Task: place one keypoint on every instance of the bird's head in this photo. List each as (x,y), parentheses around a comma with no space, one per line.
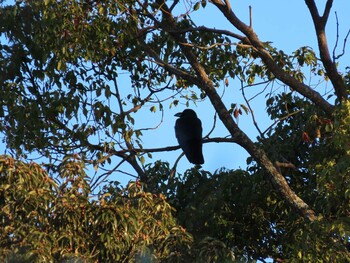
(186,114)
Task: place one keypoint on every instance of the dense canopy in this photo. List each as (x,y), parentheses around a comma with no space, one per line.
(76,80)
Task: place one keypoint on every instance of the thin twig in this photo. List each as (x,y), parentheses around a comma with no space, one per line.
(217,31)
(208,47)
(212,129)
(337,38)
(335,57)
(250,17)
(267,82)
(251,110)
(104,176)
(173,170)
(281,119)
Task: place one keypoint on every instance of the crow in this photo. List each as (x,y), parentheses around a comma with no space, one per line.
(188,131)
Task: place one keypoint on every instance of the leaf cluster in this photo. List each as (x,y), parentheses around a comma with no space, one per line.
(43,220)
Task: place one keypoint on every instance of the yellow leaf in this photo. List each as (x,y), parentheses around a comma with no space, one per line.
(300,255)
(142,160)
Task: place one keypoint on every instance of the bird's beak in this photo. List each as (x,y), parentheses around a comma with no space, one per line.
(178,114)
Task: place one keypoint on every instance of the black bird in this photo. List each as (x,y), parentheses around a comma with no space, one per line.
(188,131)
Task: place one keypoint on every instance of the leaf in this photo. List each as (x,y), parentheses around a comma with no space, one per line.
(196,6)
(108,92)
(98,92)
(61,65)
(329,127)
(194,96)
(318,133)
(245,108)
(305,137)
(236,113)
(131,119)
(300,255)
(153,109)
(226,82)
(142,160)
(270,101)
(101,10)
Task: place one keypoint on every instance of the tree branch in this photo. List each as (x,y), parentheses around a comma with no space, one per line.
(251,110)
(212,30)
(281,119)
(174,148)
(239,136)
(335,57)
(266,57)
(330,66)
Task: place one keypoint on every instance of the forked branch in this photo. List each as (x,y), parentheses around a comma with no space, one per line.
(329,65)
(252,38)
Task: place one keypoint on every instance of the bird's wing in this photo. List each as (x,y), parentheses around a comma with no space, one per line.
(188,132)
(187,129)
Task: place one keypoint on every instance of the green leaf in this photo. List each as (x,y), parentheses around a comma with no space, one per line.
(196,6)
(245,108)
(142,160)
(153,109)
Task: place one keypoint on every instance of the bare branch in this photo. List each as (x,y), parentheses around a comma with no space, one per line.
(174,4)
(138,106)
(250,17)
(337,37)
(267,82)
(335,57)
(282,119)
(344,45)
(327,10)
(120,104)
(174,148)
(207,47)
(104,176)
(212,129)
(284,165)
(173,170)
(211,30)
(330,66)
(219,31)
(280,165)
(251,110)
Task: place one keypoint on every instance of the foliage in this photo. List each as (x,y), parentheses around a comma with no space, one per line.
(46,221)
(64,98)
(247,215)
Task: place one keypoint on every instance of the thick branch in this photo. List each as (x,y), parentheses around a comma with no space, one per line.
(165,65)
(240,137)
(330,66)
(266,57)
(214,30)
